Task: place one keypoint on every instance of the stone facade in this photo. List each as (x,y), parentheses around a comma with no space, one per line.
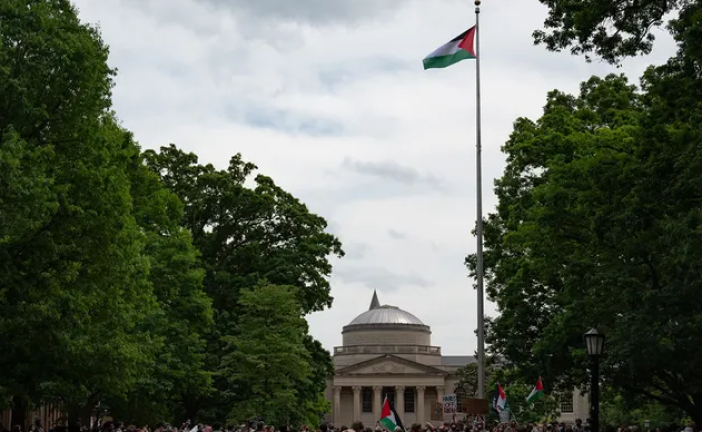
(388,351)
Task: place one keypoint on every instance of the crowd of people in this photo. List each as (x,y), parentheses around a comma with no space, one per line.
(465,425)
(479,425)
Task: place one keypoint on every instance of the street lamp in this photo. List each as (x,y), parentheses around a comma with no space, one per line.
(647,424)
(594,342)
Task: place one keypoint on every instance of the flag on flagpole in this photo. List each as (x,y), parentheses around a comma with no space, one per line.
(462,47)
(536,393)
(389,417)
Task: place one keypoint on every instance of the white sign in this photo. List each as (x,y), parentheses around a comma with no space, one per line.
(505,415)
(450,404)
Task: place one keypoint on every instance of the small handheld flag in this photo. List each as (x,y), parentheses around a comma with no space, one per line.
(389,418)
(499,400)
(536,393)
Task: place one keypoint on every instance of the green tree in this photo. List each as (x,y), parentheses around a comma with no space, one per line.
(539,411)
(90,295)
(185,310)
(618,409)
(467,383)
(613,29)
(77,305)
(312,391)
(268,359)
(246,235)
(513,384)
(597,224)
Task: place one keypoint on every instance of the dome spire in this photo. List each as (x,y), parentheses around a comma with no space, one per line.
(374,303)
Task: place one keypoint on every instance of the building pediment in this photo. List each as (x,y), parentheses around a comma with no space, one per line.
(389,365)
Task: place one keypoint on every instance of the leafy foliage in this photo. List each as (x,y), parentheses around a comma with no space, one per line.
(74,282)
(618,409)
(185,310)
(267,357)
(124,276)
(611,29)
(597,224)
(467,376)
(517,391)
(245,236)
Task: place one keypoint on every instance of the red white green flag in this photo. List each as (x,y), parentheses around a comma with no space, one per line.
(537,393)
(499,400)
(462,47)
(389,418)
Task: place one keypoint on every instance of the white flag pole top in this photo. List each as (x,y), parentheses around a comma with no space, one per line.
(479,211)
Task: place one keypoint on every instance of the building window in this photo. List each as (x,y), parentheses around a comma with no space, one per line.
(567,404)
(388,392)
(409,400)
(367,400)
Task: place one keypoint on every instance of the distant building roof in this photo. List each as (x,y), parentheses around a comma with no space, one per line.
(457,360)
(377,314)
(386,315)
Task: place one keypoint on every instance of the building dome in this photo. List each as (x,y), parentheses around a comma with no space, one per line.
(386,326)
(386,315)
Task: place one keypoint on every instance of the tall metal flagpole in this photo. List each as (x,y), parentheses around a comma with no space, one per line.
(479,206)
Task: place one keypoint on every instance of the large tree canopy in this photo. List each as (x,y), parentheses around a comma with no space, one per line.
(135,280)
(184,315)
(101,294)
(598,223)
(608,29)
(73,280)
(246,235)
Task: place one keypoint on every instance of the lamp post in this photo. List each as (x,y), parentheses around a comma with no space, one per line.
(594,342)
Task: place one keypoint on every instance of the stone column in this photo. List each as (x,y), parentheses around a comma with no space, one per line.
(336,407)
(440,397)
(377,402)
(419,409)
(356,403)
(400,400)
(440,393)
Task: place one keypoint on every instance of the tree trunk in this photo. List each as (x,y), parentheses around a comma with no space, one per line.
(79,414)
(72,414)
(191,405)
(87,410)
(19,412)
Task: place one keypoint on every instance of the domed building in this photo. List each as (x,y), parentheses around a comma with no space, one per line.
(388,351)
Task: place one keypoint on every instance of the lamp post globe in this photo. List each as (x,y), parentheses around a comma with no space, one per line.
(594,342)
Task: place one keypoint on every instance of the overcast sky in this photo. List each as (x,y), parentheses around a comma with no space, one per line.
(329,98)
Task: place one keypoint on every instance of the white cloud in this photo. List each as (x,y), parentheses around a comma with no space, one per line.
(301,90)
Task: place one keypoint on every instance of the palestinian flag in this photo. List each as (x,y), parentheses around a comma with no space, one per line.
(389,418)
(499,400)
(537,393)
(461,47)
